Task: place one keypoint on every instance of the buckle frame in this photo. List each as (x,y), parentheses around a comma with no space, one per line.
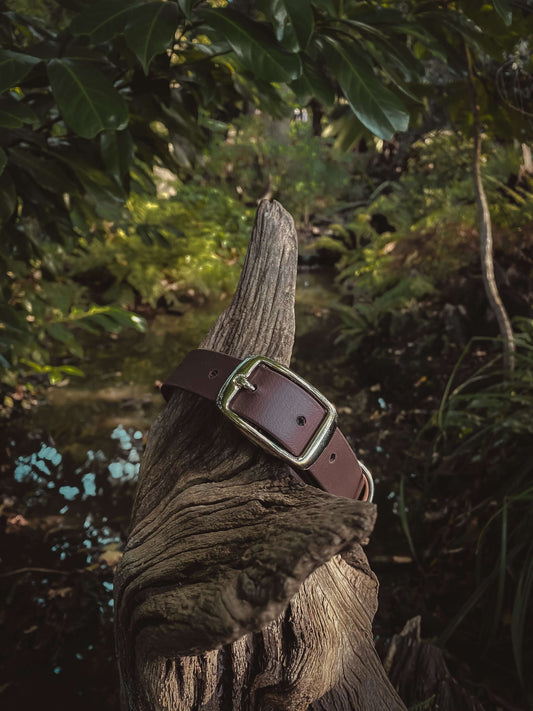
(318,442)
(369,480)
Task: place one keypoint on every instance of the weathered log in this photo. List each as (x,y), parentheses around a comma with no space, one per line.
(240,587)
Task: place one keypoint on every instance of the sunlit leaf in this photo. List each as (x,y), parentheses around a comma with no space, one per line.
(347,130)
(108,318)
(151,29)
(103,20)
(72,370)
(14,66)
(254,45)
(374,105)
(86,98)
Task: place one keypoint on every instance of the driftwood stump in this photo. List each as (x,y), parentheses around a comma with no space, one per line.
(241,588)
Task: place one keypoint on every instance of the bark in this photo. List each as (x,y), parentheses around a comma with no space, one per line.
(527,161)
(485,234)
(239,587)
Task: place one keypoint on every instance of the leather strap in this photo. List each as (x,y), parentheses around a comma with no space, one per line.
(280,408)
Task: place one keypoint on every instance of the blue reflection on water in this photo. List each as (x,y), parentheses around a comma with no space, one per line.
(69,492)
(89,484)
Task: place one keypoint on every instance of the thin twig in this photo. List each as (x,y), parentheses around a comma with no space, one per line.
(19,571)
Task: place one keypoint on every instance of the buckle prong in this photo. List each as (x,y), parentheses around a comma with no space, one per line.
(243,383)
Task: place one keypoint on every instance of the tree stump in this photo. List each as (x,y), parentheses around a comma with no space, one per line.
(240,587)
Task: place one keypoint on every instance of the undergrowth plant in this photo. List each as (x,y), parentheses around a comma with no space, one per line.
(186,246)
(284,160)
(485,425)
(430,217)
(41,312)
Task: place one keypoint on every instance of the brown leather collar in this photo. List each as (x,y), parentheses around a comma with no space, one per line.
(280,412)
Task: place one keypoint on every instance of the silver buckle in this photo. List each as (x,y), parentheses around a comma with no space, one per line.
(240,378)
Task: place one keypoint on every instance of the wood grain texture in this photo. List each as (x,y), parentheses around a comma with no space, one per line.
(241,588)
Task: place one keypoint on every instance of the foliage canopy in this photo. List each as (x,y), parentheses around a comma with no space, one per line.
(95,95)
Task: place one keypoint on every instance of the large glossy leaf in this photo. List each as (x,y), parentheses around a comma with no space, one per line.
(13,68)
(3,160)
(254,45)
(151,29)
(374,105)
(86,98)
(14,114)
(103,20)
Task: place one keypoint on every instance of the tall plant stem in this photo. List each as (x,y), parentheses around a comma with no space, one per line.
(485,233)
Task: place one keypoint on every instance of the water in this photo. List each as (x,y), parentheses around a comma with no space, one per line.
(69,475)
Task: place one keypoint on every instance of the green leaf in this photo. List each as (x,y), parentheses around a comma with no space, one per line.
(151,29)
(48,174)
(86,98)
(71,369)
(14,114)
(504,10)
(110,318)
(186,7)
(374,105)
(8,198)
(347,130)
(327,6)
(13,68)
(60,333)
(254,45)
(3,160)
(299,13)
(313,83)
(103,20)
(394,54)
(521,607)
(117,153)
